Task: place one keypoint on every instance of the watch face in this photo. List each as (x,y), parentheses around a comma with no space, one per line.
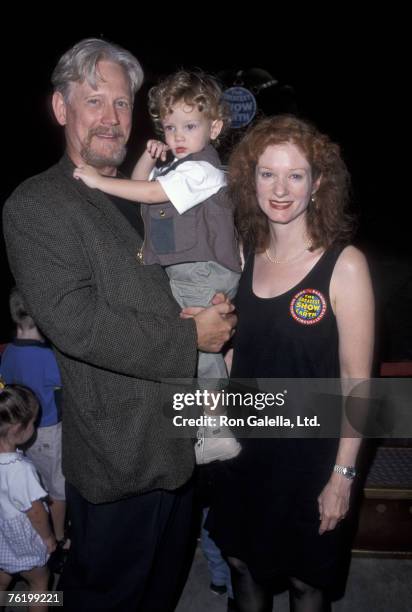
(347,471)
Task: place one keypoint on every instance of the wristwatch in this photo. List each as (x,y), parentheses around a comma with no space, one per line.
(346,470)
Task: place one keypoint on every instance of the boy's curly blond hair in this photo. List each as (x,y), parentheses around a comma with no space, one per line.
(195,89)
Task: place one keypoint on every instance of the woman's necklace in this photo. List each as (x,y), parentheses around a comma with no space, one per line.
(273,260)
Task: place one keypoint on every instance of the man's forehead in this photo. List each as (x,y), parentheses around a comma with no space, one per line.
(108,77)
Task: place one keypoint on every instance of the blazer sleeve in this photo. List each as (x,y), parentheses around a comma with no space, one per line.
(53,271)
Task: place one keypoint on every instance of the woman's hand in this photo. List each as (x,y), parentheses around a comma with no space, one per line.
(334,502)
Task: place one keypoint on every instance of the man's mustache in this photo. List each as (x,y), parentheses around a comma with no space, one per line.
(114,132)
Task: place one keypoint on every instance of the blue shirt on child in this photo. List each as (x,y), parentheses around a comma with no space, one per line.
(32,363)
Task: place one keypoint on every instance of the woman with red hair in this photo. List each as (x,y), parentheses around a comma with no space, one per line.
(305,307)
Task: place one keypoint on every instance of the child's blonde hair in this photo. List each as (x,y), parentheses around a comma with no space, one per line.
(194,89)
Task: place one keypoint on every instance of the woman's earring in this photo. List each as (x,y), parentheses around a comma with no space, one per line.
(313,199)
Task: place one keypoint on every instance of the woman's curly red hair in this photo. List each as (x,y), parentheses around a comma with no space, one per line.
(328,221)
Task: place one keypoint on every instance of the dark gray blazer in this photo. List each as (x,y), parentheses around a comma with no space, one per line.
(115,328)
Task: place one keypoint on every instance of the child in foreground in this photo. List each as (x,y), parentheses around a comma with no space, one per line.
(26,536)
(188,218)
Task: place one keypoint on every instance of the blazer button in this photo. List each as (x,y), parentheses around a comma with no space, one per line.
(162,213)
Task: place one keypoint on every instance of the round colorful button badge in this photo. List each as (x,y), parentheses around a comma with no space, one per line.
(308,306)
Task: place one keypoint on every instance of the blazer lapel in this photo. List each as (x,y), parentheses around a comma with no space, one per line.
(116,221)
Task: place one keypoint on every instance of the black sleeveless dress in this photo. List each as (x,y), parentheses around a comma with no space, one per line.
(265,510)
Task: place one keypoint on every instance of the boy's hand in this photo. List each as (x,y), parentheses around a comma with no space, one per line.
(88,175)
(157,149)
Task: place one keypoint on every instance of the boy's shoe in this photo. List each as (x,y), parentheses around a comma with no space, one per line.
(215,444)
(218,589)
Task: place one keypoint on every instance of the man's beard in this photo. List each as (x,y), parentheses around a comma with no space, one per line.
(98,160)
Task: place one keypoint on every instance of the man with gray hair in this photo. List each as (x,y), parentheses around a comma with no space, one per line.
(117,335)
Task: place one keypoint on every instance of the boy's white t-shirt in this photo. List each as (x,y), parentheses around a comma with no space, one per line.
(190,183)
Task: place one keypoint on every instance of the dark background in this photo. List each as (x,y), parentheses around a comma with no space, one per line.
(344,82)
